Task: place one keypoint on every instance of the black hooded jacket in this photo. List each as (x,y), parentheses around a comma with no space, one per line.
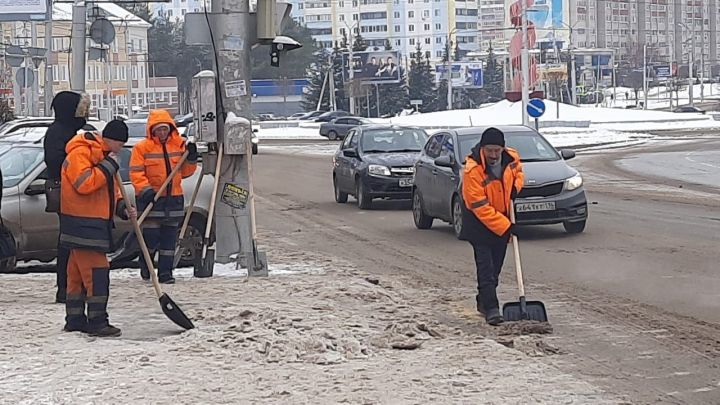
(65,126)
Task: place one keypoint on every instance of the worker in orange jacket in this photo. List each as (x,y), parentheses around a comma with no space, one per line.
(492,177)
(89,196)
(151,162)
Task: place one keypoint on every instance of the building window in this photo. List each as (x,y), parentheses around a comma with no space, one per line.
(342,17)
(438,40)
(437,13)
(397,43)
(427,27)
(397,28)
(412,41)
(427,41)
(355,17)
(426,13)
(341,4)
(438,27)
(397,14)
(411,27)
(411,14)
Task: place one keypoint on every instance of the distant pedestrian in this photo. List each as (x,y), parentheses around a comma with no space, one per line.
(493,176)
(89,198)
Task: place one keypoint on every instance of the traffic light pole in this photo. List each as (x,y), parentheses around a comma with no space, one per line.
(77,44)
(234,225)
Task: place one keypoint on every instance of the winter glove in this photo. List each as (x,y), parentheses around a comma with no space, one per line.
(192,152)
(120,210)
(147,196)
(513,193)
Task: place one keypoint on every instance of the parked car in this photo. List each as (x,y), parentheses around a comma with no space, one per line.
(339,127)
(140,115)
(331,115)
(296,116)
(311,116)
(553,192)
(16,125)
(137,127)
(35,231)
(376,161)
(689,109)
(183,120)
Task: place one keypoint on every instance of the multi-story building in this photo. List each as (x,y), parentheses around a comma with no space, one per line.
(176,9)
(402,25)
(107,81)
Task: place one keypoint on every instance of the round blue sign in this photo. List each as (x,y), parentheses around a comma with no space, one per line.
(536,108)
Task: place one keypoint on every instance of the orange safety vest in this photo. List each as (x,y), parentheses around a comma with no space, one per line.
(88,195)
(487,198)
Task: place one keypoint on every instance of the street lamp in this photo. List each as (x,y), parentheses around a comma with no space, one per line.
(449,68)
(692,62)
(573,79)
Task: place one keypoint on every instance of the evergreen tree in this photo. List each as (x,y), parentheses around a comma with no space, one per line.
(316,73)
(421,82)
(359,44)
(341,101)
(493,82)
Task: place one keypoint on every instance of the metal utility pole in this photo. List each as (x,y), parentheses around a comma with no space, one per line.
(691,81)
(573,79)
(449,72)
(48,90)
(35,87)
(525,66)
(645,86)
(77,44)
(235,227)
(702,53)
(129,70)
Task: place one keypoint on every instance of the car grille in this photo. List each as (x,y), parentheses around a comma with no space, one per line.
(407,171)
(542,191)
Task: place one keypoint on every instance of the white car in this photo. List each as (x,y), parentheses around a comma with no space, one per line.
(25,124)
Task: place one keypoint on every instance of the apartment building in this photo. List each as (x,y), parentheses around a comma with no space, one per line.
(402,24)
(176,9)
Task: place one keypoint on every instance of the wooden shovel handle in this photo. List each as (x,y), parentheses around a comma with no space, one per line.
(516,249)
(163,186)
(139,236)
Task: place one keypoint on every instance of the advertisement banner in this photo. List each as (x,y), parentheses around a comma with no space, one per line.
(464,74)
(23,10)
(373,67)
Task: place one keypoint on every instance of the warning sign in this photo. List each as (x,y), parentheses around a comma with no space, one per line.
(234,196)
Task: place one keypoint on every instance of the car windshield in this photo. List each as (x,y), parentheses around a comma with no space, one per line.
(531,146)
(393,140)
(16,162)
(136,129)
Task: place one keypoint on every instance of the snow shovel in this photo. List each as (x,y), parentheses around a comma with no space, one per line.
(168,306)
(130,244)
(528,310)
(208,262)
(186,221)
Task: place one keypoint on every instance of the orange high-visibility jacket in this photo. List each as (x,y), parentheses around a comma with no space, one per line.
(152,161)
(89,195)
(488,197)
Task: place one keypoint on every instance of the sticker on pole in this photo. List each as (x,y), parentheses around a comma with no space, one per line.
(234,196)
(235,89)
(536,108)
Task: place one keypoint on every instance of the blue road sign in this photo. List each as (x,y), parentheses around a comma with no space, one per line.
(536,108)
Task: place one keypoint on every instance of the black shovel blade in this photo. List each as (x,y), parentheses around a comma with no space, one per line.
(174,312)
(534,311)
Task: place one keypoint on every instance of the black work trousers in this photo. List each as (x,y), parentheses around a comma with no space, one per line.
(63,255)
(489,258)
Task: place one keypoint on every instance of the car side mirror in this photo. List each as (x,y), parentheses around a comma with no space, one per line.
(567,154)
(350,153)
(37,187)
(255,130)
(444,161)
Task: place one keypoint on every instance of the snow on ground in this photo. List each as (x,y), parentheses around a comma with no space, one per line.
(658,96)
(331,335)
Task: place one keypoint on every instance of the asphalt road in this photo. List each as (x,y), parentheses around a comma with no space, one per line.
(634,301)
(690,166)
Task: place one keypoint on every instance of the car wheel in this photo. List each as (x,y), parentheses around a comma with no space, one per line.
(421,219)
(254,149)
(457,213)
(574,227)
(340,197)
(8,265)
(363,199)
(192,241)
(333,136)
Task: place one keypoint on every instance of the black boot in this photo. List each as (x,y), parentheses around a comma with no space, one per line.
(479,305)
(60,296)
(493,317)
(106,331)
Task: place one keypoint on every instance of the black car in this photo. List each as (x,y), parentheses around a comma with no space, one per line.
(552,194)
(331,115)
(376,161)
(689,109)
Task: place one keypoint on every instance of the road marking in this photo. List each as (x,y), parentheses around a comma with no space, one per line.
(687,157)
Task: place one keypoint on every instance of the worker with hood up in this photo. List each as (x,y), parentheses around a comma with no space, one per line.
(71,111)
(151,162)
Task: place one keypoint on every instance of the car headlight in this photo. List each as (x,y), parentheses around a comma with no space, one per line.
(378,170)
(254,140)
(573,182)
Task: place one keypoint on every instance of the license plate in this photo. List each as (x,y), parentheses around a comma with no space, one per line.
(406,182)
(530,207)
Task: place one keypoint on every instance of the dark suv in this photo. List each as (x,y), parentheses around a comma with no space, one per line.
(552,194)
(376,161)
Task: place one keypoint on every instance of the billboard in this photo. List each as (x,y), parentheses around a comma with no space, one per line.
(26,10)
(373,67)
(547,14)
(464,74)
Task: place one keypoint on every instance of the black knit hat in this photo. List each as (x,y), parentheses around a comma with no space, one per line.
(116,130)
(492,136)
